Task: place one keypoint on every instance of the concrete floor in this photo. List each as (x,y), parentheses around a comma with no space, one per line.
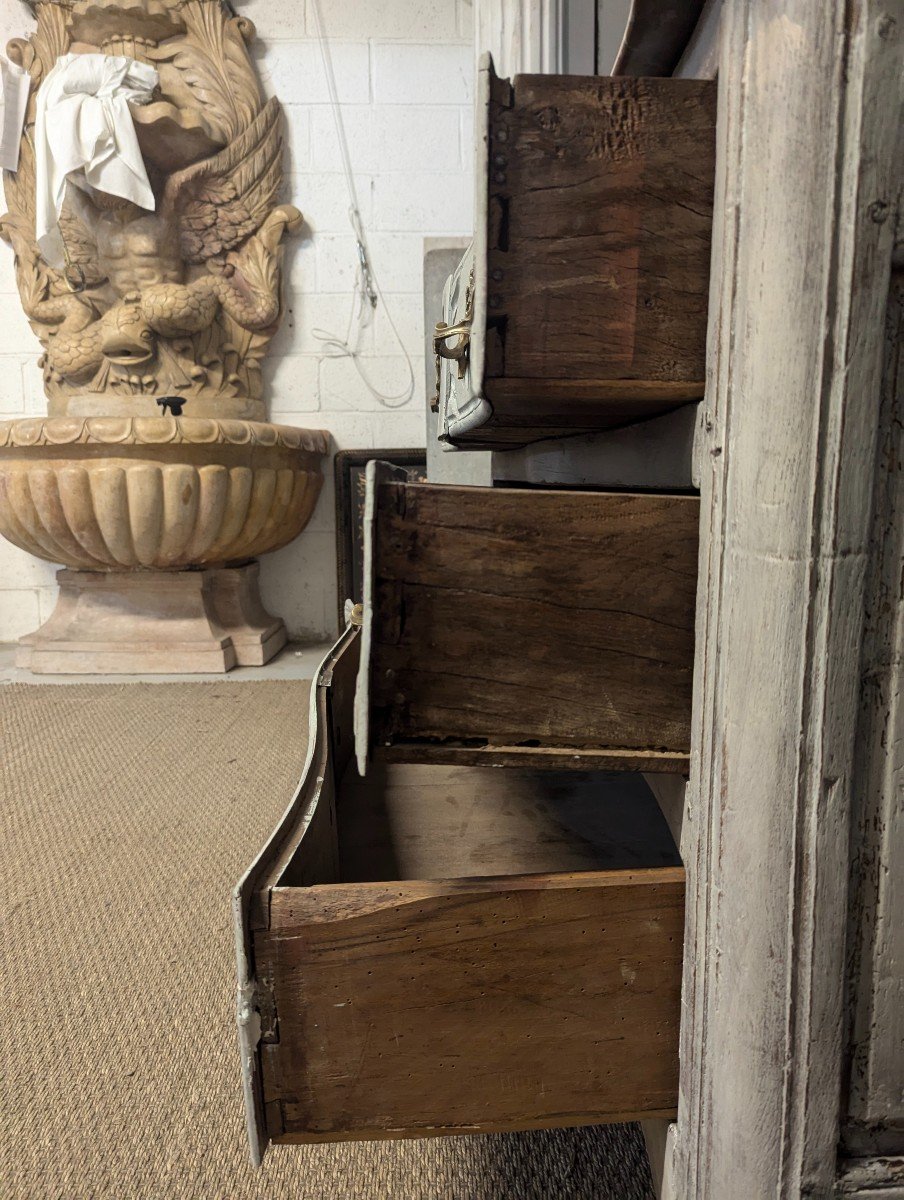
(294,662)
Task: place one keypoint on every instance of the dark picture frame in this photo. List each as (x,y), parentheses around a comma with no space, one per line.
(349,467)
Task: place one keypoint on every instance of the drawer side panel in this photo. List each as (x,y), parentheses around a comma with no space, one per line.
(607,188)
(510,1003)
(533,619)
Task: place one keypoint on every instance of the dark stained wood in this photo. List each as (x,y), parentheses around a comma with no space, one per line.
(504,1003)
(601,267)
(542,758)
(547,402)
(599,227)
(531,410)
(530,619)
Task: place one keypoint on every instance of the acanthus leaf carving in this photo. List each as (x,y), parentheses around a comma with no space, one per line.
(214,62)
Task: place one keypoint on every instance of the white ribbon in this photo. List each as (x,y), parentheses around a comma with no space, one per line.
(84,133)
(15,84)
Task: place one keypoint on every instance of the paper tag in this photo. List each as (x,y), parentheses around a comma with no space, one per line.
(15,84)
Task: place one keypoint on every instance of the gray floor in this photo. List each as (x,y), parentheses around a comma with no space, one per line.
(295,662)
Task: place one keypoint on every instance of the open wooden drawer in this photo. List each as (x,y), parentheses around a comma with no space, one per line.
(439,950)
(516,626)
(582,303)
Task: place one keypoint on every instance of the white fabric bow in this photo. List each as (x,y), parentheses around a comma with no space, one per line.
(15,85)
(84,133)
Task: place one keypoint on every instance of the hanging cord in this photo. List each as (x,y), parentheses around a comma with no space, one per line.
(368,293)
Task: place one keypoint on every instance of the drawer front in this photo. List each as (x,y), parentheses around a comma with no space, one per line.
(408,1009)
(520,625)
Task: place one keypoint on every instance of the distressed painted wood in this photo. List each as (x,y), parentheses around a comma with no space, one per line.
(875,1105)
(521,35)
(807,198)
(311,816)
(551,621)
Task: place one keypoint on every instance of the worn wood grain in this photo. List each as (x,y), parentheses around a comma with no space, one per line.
(600,268)
(506,1003)
(410,821)
(543,758)
(598,225)
(875,1105)
(807,201)
(532,410)
(550,620)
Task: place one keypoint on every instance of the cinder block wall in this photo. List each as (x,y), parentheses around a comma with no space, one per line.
(404,70)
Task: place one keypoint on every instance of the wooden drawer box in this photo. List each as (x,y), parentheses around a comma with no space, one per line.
(438,950)
(520,626)
(583,302)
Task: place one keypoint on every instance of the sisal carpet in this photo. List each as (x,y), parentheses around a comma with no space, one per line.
(127,812)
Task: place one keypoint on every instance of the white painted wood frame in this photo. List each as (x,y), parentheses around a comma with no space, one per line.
(523,36)
(808,190)
(874,1120)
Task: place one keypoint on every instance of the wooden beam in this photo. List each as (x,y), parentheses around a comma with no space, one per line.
(808,181)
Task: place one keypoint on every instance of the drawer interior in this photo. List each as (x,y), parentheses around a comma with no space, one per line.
(500,950)
(413,821)
(447,948)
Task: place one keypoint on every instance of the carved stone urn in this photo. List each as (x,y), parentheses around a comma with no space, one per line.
(155,478)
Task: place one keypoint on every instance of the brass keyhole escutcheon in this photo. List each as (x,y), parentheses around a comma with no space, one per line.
(457,352)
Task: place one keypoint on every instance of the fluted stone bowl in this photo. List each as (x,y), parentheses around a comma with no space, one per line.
(163,493)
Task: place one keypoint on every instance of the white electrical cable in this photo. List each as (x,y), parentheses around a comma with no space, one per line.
(368,293)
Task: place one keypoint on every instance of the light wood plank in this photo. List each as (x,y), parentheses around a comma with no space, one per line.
(507,1003)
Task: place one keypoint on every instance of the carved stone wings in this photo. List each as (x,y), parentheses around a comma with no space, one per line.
(220,202)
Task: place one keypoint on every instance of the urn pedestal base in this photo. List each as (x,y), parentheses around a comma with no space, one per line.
(154,622)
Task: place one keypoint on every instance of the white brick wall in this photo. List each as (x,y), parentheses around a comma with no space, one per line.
(404,74)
